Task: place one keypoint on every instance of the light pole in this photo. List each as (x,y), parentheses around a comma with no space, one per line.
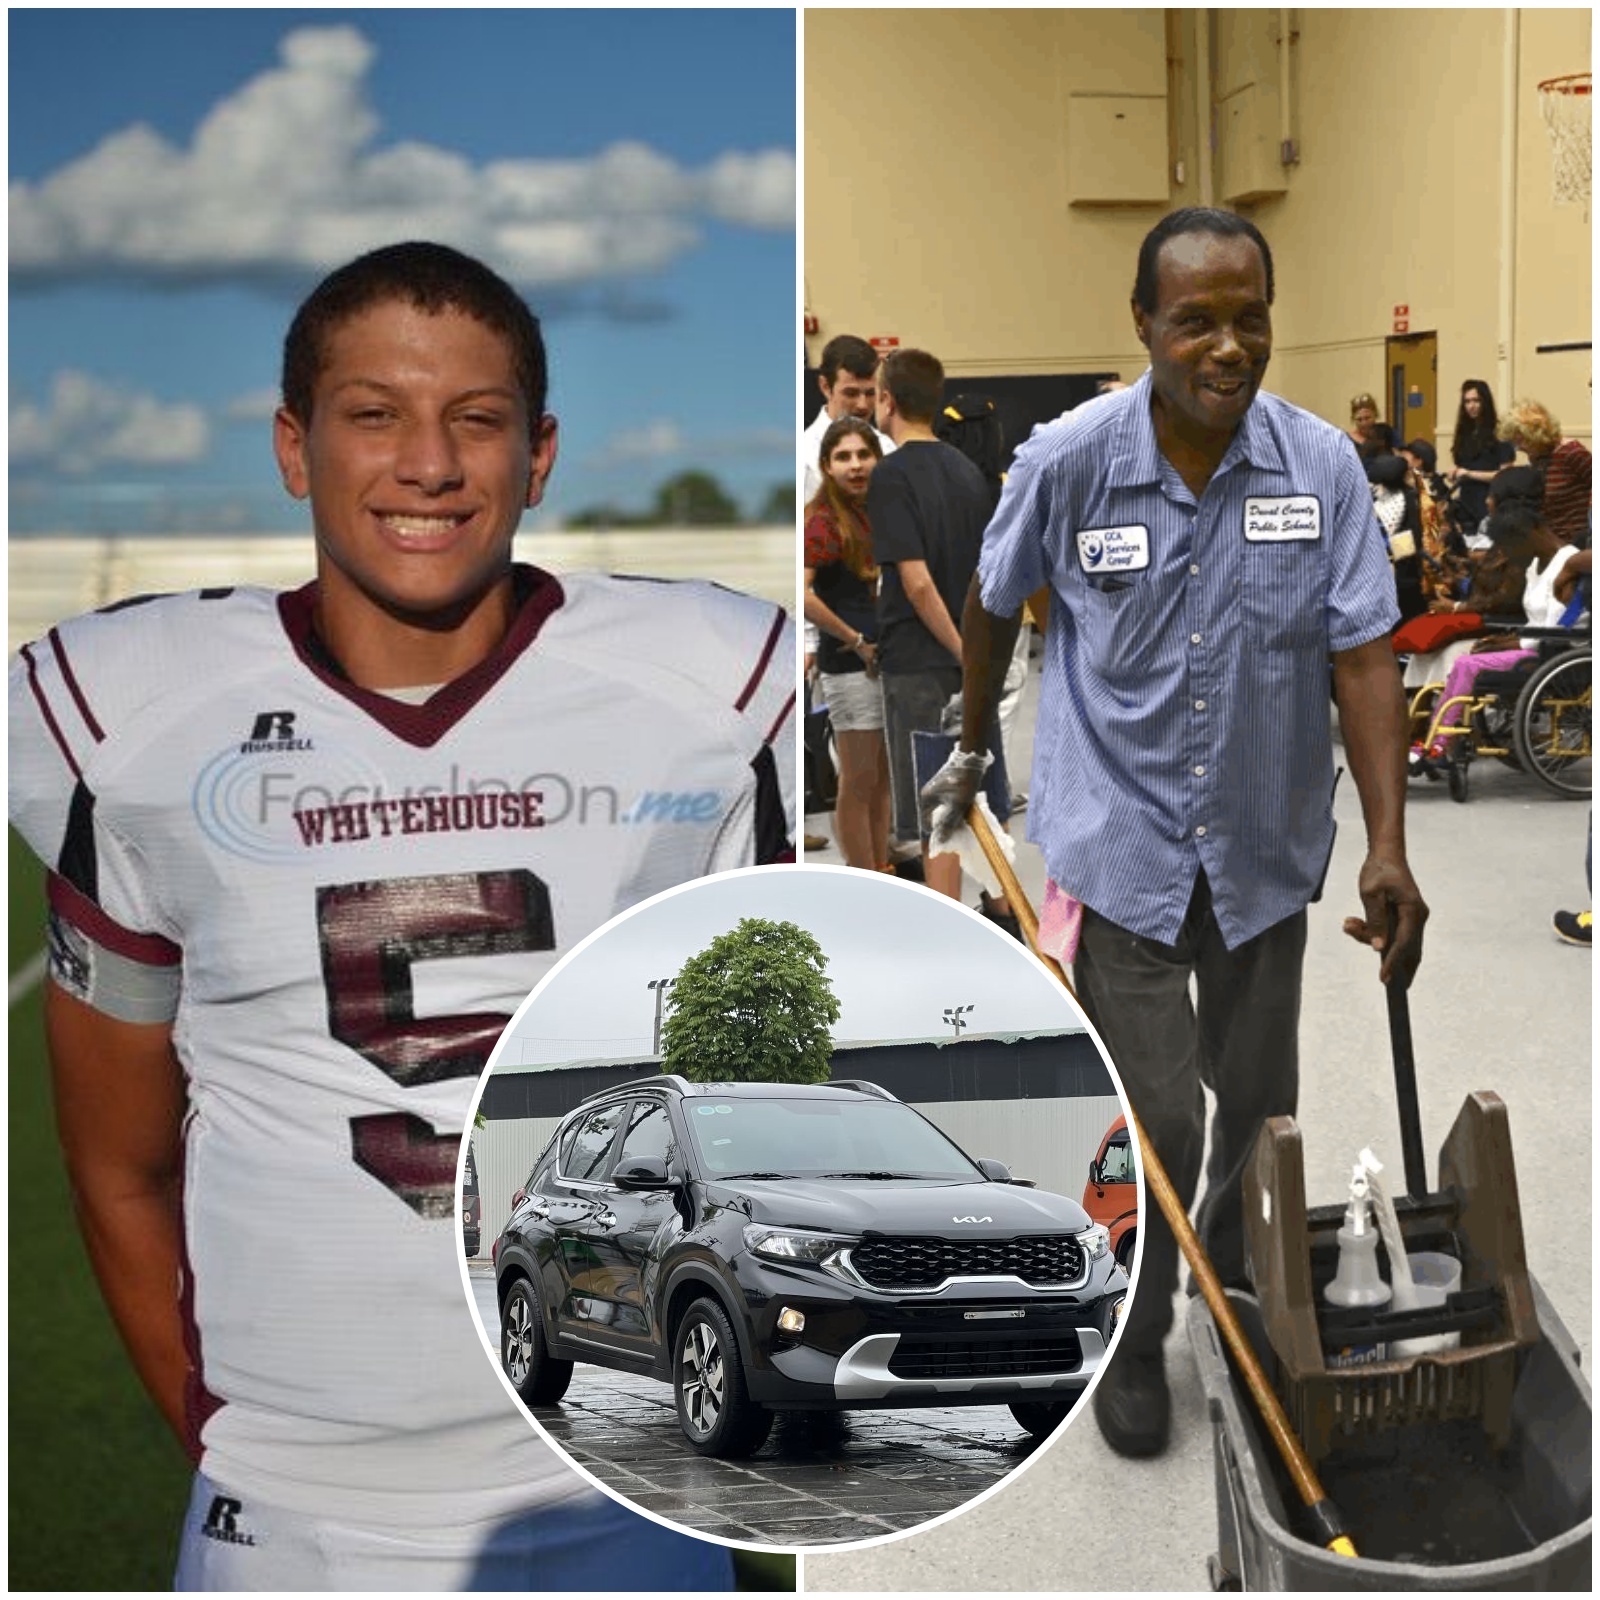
(954,1015)
(660,985)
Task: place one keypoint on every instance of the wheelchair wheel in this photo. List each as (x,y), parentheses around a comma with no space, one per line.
(1552,728)
(1455,772)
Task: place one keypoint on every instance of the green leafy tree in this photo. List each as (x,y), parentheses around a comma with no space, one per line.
(778,507)
(606,516)
(754,1006)
(695,500)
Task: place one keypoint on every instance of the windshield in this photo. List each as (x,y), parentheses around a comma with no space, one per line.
(805,1138)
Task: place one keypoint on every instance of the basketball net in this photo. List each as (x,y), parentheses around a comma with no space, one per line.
(1567,107)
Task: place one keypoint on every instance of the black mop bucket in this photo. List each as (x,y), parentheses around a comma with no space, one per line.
(1438,1511)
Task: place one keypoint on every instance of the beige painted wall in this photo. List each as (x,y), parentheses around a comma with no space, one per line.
(936,205)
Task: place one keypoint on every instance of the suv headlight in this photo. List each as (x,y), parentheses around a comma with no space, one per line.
(795,1244)
(1096,1242)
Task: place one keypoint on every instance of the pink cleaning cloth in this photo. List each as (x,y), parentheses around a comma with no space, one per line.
(1060,923)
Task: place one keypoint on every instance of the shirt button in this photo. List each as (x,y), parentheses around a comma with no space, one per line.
(1199,772)
(1200,832)
(1194,570)
(1194,638)
(1199,705)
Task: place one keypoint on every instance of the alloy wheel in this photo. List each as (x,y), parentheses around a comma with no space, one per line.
(518,1338)
(703,1378)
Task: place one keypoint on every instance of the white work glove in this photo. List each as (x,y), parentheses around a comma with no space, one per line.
(948,795)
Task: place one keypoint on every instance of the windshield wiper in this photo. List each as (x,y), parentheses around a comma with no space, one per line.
(873,1175)
(724,1177)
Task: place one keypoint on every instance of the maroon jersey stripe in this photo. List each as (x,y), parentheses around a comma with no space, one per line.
(773,635)
(783,717)
(70,678)
(423,726)
(49,716)
(78,909)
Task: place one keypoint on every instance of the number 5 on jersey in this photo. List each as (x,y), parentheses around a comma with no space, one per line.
(371,935)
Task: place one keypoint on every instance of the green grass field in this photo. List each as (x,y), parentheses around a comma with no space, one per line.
(98,1485)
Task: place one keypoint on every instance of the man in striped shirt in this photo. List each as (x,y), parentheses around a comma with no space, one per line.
(1209,548)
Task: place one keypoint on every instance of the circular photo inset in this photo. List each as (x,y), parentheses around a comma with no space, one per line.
(800,1207)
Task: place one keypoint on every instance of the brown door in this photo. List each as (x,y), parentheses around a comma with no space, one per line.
(1413,398)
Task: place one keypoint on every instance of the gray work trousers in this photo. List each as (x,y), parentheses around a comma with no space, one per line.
(1239,1037)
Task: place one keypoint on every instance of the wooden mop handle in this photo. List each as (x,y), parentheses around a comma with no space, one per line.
(1011,888)
(1305,1478)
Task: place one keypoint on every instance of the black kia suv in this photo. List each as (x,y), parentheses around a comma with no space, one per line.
(769,1247)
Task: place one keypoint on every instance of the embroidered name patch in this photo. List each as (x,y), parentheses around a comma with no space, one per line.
(1270,518)
(1114,549)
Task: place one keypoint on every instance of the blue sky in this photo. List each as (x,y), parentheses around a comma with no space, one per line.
(180,179)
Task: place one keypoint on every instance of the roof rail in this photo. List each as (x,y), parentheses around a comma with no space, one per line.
(861,1086)
(682,1085)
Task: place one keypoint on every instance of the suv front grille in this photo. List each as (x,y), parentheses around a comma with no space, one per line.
(916,1357)
(926,1263)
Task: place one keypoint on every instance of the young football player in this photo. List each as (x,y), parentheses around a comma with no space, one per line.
(307,852)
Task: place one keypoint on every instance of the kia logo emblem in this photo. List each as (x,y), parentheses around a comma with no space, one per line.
(972,1219)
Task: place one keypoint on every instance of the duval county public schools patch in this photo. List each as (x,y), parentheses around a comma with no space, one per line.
(1102,550)
(1271,518)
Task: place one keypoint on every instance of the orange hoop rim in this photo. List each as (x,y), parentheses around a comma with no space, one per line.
(1572,83)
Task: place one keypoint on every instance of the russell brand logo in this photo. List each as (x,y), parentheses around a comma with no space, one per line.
(273,732)
(222,1522)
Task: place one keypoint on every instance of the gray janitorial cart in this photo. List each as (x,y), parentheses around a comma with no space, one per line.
(1464,1467)
(1455,1453)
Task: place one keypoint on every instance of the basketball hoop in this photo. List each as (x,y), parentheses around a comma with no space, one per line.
(1567,106)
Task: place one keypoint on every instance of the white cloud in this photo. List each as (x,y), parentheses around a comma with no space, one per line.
(86,424)
(258,405)
(663,438)
(649,443)
(235,201)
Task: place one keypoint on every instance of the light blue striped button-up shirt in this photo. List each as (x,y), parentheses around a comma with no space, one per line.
(1184,717)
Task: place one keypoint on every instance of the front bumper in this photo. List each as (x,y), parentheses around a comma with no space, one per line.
(865,1375)
(977,1341)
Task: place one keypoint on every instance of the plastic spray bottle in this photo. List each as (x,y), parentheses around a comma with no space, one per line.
(1357,1283)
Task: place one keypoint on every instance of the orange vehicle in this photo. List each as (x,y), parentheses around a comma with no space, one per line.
(1111,1196)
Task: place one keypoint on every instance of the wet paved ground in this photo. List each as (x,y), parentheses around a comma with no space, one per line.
(822,1478)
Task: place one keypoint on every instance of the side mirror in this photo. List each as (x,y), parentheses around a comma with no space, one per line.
(643,1172)
(518,1198)
(1094,1173)
(995,1171)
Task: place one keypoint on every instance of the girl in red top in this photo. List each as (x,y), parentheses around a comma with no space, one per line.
(841,594)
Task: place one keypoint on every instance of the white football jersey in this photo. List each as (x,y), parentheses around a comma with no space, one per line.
(360,892)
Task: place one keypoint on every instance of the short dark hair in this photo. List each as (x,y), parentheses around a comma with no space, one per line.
(1386,470)
(915,382)
(1178,224)
(431,277)
(854,355)
(1424,452)
(1517,486)
(1513,525)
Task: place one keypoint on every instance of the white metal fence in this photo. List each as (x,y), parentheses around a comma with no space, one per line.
(60,575)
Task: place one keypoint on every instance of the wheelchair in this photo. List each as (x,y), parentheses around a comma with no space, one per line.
(1535,718)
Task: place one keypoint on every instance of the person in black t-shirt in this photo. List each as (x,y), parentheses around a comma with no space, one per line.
(928,506)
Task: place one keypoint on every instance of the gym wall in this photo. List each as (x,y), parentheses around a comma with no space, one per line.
(941,162)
